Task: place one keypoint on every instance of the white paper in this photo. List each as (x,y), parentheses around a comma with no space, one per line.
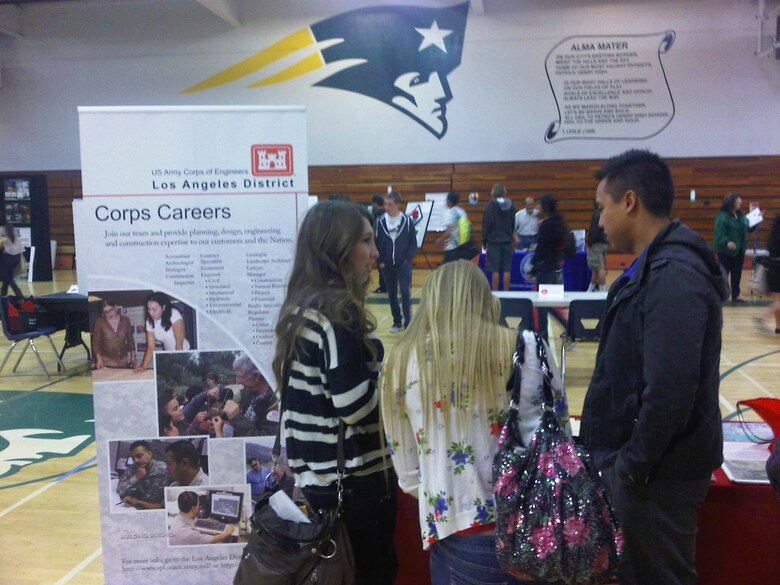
(286,509)
(754,217)
(550,292)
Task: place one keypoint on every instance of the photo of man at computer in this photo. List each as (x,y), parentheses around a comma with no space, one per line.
(214,515)
(143,468)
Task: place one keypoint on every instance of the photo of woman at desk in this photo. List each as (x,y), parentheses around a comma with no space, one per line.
(129,326)
(164,325)
(112,338)
(207,516)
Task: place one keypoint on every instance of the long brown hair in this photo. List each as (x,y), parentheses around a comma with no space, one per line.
(323,277)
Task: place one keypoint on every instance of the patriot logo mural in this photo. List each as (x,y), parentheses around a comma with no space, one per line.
(399,55)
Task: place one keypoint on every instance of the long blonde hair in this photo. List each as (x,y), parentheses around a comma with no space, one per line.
(464,355)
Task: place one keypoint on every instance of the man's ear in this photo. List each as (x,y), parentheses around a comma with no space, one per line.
(631,201)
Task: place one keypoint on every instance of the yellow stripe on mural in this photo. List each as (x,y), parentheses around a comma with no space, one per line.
(310,63)
(291,43)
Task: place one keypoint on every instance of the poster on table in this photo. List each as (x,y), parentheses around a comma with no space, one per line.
(185,238)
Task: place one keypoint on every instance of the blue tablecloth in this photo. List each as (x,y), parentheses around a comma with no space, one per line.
(576,275)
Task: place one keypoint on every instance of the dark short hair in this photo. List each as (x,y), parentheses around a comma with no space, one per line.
(729,200)
(395,196)
(183,449)
(498,190)
(453,197)
(187,500)
(250,459)
(135,444)
(548,204)
(377,200)
(643,172)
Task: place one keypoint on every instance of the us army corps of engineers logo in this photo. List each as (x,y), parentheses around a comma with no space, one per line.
(399,55)
(42,425)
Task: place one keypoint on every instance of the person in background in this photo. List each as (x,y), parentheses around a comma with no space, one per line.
(164,324)
(731,228)
(651,417)
(182,526)
(443,390)
(325,345)
(258,410)
(13,247)
(498,224)
(113,344)
(377,211)
(451,237)
(255,477)
(141,485)
(772,265)
(526,225)
(547,263)
(597,252)
(182,464)
(396,243)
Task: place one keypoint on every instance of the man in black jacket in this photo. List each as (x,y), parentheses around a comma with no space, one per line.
(498,226)
(651,416)
(396,242)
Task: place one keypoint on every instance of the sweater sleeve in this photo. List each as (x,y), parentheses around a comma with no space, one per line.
(401,438)
(350,380)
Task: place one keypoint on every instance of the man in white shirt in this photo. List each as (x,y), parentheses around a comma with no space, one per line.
(181,461)
(526,225)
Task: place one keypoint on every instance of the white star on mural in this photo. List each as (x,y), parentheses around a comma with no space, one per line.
(433,36)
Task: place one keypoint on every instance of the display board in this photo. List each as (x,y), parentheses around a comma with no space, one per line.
(420,212)
(187,233)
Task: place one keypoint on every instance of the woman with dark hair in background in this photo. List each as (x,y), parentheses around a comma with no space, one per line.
(164,324)
(12,255)
(326,364)
(731,228)
(548,256)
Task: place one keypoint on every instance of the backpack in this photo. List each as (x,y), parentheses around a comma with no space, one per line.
(464,230)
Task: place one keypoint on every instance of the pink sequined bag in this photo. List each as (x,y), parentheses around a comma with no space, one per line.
(554,521)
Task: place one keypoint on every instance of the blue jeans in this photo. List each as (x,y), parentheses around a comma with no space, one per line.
(467,560)
(395,276)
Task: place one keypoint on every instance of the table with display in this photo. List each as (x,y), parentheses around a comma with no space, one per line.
(68,312)
(576,275)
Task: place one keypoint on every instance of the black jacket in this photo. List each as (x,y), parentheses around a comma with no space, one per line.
(498,222)
(402,249)
(550,242)
(651,409)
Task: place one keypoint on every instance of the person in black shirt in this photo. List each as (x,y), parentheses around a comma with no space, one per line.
(548,256)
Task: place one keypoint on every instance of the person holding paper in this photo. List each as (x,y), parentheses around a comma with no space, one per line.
(731,228)
(326,364)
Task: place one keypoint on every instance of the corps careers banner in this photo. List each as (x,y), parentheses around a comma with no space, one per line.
(185,239)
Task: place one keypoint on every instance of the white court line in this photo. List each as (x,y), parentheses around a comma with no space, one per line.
(747,376)
(27,498)
(80,567)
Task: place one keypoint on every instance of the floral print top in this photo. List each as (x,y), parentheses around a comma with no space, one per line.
(448,470)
